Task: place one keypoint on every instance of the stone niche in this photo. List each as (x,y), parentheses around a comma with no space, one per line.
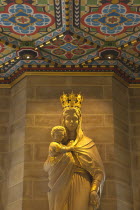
(110,113)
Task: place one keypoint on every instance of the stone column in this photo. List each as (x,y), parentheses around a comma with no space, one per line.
(17,147)
(4,145)
(122,189)
(134,109)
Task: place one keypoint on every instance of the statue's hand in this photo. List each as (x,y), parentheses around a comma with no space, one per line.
(94,199)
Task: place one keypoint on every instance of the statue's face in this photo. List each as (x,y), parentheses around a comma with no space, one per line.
(58,135)
(71,121)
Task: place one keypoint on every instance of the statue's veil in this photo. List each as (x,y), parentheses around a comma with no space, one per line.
(86,153)
(79,132)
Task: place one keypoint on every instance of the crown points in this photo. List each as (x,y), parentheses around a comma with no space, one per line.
(71,100)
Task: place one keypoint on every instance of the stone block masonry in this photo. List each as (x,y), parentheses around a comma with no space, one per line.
(134,113)
(4,145)
(110,115)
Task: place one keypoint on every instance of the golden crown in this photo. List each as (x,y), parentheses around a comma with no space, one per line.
(71,100)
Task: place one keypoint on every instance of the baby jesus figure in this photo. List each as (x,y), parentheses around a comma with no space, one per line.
(60,162)
(63,162)
(56,147)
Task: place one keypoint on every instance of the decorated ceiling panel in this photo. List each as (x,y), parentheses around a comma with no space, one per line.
(70,36)
(109,21)
(5,51)
(134,50)
(29,20)
(70,49)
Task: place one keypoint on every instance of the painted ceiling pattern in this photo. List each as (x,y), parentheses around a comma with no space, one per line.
(70,35)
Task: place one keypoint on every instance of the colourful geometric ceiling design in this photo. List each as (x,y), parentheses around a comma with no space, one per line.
(5,50)
(21,18)
(134,50)
(64,35)
(113,21)
(70,48)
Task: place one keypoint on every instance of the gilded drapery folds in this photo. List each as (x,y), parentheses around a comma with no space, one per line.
(75,169)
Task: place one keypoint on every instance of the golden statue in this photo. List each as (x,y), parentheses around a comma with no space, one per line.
(75,169)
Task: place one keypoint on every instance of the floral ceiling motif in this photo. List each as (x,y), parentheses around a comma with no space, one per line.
(70,47)
(109,20)
(87,35)
(24,19)
(112,19)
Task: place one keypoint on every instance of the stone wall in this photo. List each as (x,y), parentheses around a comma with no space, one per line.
(4,144)
(122,190)
(135,143)
(17,139)
(44,111)
(35,108)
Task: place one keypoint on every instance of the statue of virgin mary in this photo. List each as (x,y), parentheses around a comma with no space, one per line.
(76,177)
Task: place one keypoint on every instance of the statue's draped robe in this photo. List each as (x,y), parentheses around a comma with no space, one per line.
(70,188)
